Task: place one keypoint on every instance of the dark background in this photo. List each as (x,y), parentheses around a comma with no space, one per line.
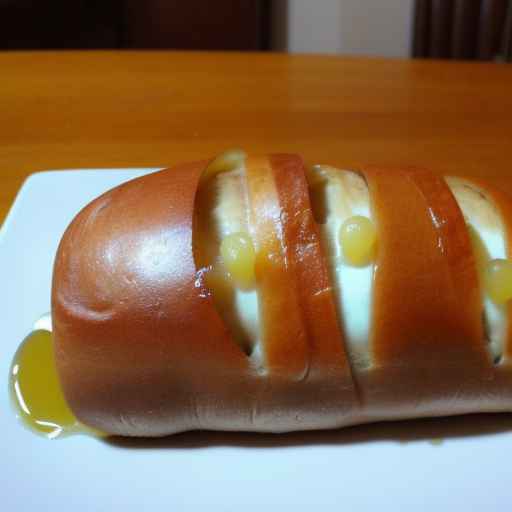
(190,24)
(446,29)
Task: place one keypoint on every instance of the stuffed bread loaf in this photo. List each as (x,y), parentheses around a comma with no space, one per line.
(253,294)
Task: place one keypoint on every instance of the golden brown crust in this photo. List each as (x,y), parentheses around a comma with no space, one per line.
(315,291)
(426,328)
(427,301)
(284,335)
(128,306)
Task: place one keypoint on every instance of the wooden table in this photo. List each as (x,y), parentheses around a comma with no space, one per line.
(121,109)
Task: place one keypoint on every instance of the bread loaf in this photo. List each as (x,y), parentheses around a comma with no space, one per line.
(255,294)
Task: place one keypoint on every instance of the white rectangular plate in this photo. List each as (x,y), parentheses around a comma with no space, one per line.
(379,467)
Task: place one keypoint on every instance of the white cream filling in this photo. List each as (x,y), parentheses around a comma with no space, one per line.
(231,215)
(346,194)
(484,216)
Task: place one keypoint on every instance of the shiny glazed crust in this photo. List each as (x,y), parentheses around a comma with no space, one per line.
(141,349)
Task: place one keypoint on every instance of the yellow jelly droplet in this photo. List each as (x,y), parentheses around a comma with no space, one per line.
(35,388)
(498,280)
(358,238)
(226,161)
(238,256)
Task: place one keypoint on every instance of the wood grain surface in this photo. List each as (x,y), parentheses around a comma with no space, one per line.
(122,109)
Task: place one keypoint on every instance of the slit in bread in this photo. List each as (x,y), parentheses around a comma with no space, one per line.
(336,195)
(221,210)
(484,220)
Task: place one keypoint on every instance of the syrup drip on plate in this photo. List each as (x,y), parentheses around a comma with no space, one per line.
(35,388)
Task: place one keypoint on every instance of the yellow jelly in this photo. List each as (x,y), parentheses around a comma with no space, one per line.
(226,161)
(35,388)
(358,238)
(498,280)
(238,256)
